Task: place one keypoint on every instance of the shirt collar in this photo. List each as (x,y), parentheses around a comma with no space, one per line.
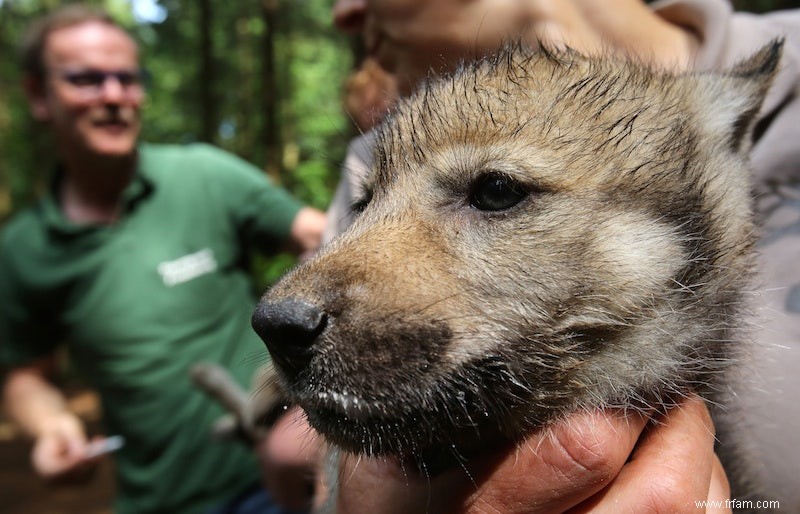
(140,187)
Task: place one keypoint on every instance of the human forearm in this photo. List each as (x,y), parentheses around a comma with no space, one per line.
(39,408)
(35,404)
(306,232)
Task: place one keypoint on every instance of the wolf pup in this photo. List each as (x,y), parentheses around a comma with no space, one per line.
(540,233)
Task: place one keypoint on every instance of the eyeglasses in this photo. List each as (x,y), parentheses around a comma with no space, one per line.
(91,82)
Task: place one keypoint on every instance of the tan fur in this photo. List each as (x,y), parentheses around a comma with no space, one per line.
(435,326)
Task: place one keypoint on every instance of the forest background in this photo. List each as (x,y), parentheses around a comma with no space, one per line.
(260,78)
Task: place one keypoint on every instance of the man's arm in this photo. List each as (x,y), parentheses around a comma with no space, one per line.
(305,236)
(41,411)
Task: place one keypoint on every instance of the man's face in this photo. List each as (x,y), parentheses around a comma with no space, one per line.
(409,37)
(91,93)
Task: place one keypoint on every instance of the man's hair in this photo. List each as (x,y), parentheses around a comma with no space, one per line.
(33,42)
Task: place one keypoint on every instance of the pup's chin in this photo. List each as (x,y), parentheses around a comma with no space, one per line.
(415,441)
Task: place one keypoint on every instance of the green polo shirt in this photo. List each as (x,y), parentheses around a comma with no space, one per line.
(142,300)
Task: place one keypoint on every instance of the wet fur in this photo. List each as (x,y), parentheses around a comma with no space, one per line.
(618,280)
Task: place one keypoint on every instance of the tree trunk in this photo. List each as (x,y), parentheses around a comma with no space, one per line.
(208,104)
(272,133)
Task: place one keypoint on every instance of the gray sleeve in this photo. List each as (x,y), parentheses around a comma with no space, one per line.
(355,169)
(728,37)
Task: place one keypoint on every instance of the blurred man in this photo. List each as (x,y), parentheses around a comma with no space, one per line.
(137,258)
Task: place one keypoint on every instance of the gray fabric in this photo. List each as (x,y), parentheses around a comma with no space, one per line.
(354,170)
(773,384)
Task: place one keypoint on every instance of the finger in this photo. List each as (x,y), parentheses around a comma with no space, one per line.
(292,441)
(719,491)
(557,469)
(289,457)
(77,448)
(671,468)
(369,485)
(549,472)
(57,466)
(51,455)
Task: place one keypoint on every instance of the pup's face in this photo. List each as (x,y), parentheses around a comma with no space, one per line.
(536,236)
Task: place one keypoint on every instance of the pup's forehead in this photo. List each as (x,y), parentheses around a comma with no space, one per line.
(534,114)
(452,164)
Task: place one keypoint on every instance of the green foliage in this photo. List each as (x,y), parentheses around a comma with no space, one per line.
(268,270)
(318,128)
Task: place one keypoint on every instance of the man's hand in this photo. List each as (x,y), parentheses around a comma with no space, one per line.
(41,411)
(590,462)
(305,236)
(59,453)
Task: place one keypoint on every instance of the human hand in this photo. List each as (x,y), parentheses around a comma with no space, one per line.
(289,456)
(59,453)
(591,462)
(305,236)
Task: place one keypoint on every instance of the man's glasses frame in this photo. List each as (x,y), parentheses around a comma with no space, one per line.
(91,82)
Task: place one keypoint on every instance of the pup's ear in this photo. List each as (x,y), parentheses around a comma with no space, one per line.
(731,100)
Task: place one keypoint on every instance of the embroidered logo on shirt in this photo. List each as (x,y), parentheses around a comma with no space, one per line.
(184,269)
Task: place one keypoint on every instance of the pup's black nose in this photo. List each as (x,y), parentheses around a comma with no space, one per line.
(289,327)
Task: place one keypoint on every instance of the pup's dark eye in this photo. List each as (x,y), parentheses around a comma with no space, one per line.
(496,192)
(359,205)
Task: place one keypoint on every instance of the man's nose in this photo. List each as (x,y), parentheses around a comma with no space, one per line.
(112,90)
(348,15)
